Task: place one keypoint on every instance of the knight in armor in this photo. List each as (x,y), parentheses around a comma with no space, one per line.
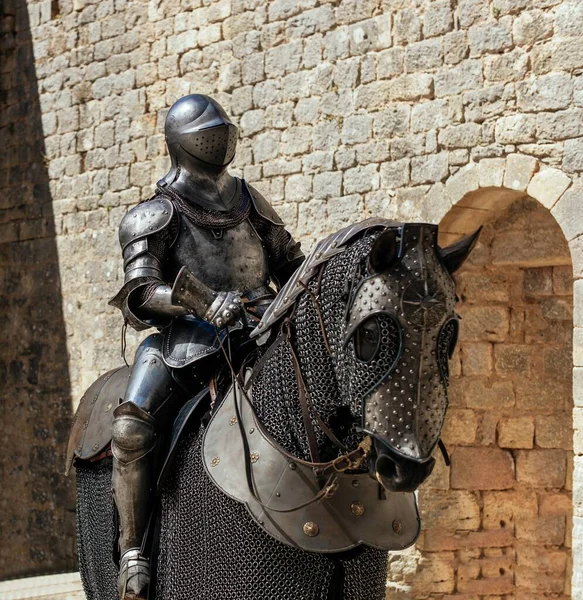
(202,257)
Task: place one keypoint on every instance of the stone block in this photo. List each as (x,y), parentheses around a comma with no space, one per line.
(328,185)
(411,87)
(491,172)
(529,248)
(538,282)
(429,168)
(253,121)
(503,508)
(343,211)
(548,185)
(519,171)
(361,179)
(510,66)
(390,63)
(466,180)
(532,26)
(298,188)
(483,395)
(494,586)
(513,359)
(516,432)
(407,26)
(543,531)
(561,125)
(490,37)
(573,156)
(548,92)
(481,469)
(423,56)
(465,135)
(479,287)
(432,114)
(356,129)
(454,80)
(394,174)
(567,212)
(484,323)
(449,510)
(455,47)
(438,19)
(554,431)
(569,19)
(516,129)
(476,359)
(563,280)
(460,427)
(541,468)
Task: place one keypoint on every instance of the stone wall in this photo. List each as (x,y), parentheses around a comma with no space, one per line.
(346,108)
(36,501)
(498,522)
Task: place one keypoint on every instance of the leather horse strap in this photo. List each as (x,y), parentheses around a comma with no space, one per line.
(350,460)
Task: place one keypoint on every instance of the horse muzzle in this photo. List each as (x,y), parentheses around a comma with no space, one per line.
(395,472)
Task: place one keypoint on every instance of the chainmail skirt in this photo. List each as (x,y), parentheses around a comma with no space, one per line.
(211,549)
(96,530)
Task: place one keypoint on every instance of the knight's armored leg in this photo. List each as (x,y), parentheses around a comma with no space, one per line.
(134,436)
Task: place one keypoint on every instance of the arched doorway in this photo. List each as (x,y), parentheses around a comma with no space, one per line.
(499,522)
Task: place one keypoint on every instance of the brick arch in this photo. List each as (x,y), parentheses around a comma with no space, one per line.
(480,193)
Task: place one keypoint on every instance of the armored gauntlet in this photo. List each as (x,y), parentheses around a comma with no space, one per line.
(221,309)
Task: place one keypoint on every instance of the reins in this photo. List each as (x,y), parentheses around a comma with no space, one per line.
(330,470)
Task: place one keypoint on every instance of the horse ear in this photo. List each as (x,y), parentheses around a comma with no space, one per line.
(454,256)
(384,251)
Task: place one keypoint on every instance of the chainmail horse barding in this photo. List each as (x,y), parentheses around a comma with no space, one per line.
(357,331)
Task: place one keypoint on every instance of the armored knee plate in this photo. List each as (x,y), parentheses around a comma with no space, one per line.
(132,434)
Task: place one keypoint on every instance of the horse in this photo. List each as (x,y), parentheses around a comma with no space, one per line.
(297,475)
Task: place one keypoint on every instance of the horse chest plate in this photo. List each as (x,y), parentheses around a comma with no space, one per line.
(359,512)
(223,259)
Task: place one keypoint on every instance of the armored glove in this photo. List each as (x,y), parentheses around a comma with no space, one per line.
(221,309)
(225,310)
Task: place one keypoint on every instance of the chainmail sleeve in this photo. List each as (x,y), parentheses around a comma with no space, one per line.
(284,253)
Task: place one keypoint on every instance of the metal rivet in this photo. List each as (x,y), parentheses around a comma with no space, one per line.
(95,446)
(357,509)
(233,421)
(397,527)
(254,456)
(252,430)
(108,407)
(311,529)
(292,466)
(215,461)
(355,483)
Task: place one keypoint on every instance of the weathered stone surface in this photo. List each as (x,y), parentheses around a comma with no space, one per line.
(481,469)
(519,170)
(547,186)
(542,468)
(517,432)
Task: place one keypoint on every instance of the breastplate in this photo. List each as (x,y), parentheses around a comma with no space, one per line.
(223,259)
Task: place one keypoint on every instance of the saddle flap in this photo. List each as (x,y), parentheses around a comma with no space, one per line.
(91,430)
(358,512)
(189,339)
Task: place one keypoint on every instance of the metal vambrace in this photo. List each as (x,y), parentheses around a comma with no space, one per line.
(132,445)
(221,309)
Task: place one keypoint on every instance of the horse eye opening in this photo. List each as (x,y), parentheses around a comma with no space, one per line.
(367,340)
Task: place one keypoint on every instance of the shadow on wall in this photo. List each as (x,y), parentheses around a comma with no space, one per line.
(36,501)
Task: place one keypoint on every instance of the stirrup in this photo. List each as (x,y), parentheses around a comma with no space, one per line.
(134,576)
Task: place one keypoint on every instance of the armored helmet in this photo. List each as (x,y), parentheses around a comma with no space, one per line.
(199,135)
